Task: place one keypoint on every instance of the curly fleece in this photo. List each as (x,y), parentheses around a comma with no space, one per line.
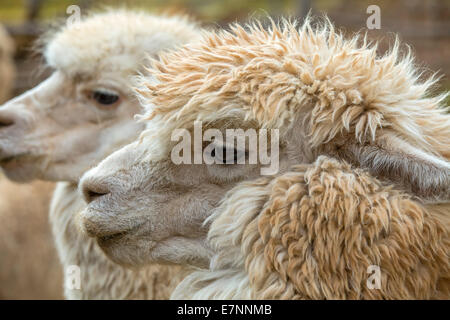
(313,232)
(273,75)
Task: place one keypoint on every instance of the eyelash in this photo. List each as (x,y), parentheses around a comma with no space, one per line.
(104,97)
(225,152)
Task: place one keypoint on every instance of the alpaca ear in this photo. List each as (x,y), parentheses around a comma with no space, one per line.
(423,174)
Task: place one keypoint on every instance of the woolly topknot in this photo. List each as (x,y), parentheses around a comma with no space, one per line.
(116,40)
(339,84)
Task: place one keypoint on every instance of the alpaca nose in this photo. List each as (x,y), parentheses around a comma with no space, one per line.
(92,191)
(5,120)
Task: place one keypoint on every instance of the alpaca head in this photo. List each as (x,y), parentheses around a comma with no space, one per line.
(85,109)
(319,93)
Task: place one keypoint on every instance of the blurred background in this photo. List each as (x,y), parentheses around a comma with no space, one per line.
(423,24)
(29,268)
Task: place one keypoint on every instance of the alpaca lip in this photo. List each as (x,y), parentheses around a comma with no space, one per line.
(105,238)
(9,159)
(113,236)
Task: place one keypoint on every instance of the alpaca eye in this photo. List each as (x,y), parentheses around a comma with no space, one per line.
(228,156)
(105,97)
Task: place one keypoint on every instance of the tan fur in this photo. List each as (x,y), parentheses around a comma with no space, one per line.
(25,231)
(275,73)
(312,233)
(323,226)
(353,101)
(29,267)
(311,230)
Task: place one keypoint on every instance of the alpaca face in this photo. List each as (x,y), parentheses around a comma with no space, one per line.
(324,94)
(59,129)
(85,110)
(162,218)
(144,208)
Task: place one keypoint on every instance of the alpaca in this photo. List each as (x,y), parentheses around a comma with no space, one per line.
(363,171)
(79,115)
(21,246)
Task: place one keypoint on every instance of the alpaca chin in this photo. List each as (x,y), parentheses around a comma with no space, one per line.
(20,169)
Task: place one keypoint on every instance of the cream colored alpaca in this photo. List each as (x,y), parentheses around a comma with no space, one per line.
(23,246)
(79,115)
(312,229)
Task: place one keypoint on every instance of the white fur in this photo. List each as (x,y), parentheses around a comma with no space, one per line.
(63,131)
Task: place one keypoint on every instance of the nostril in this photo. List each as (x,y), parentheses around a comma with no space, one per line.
(93,192)
(92,195)
(6,122)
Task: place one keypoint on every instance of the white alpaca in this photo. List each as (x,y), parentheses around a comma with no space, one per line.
(22,245)
(313,229)
(79,115)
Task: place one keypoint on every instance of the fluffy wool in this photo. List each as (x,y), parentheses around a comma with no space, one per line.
(271,74)
(312,232)
(113,47)
(124,36)
(360,182)
(342,88)
(113,43)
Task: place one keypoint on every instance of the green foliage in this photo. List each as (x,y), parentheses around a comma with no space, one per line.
(13,11)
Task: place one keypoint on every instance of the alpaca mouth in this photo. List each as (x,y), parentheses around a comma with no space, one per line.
(112,237)
(7,159)
(12,159)
(115,236)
